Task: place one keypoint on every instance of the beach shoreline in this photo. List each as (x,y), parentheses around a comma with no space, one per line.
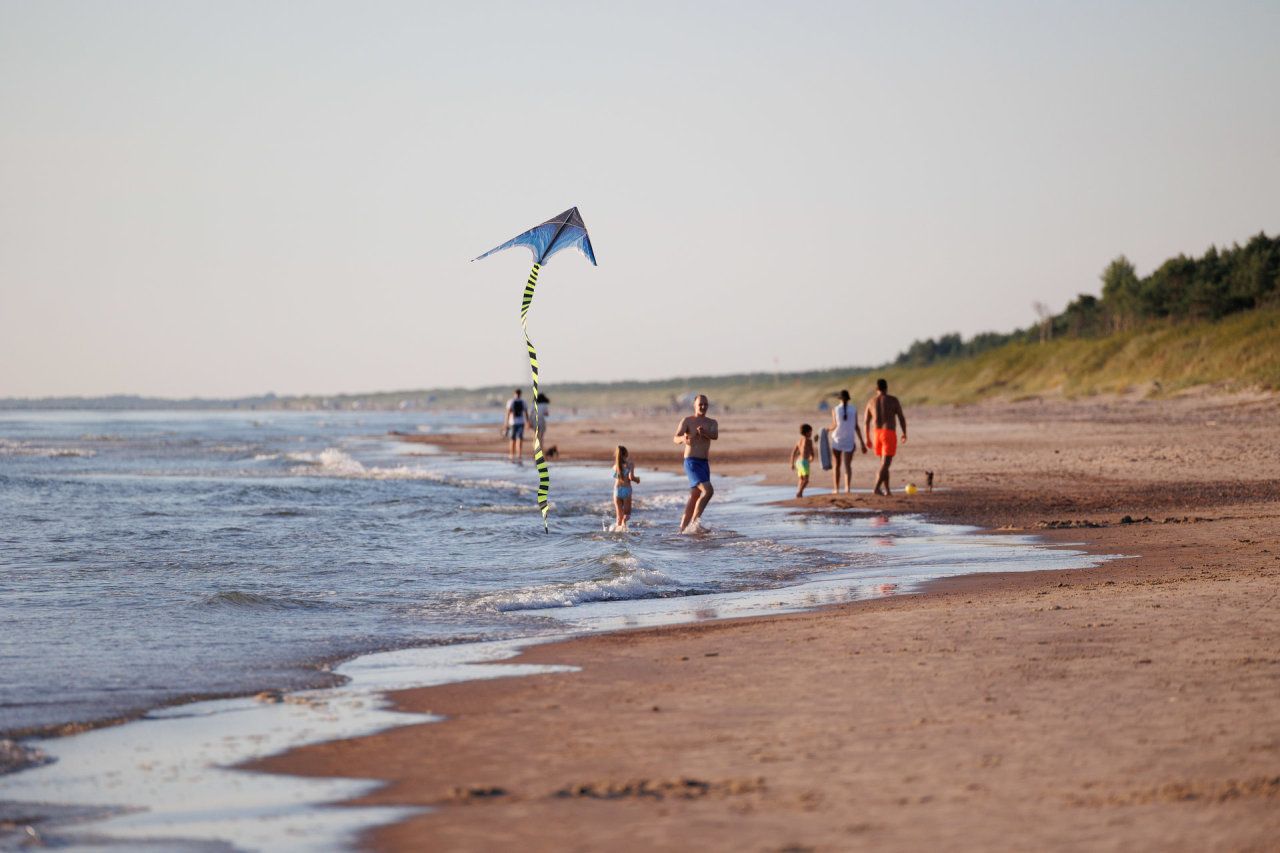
(1120,706)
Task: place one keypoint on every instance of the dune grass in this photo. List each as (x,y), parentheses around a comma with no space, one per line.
(1238,352)
(1241,351)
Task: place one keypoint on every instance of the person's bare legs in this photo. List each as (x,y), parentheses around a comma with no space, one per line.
(699,497)
(689,506)
(707,491)
(882,477)
(848,472)
(617,507)
(835,471)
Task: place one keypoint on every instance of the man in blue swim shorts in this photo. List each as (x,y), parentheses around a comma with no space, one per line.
(696,434)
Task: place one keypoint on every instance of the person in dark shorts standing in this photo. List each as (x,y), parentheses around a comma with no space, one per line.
(514,426)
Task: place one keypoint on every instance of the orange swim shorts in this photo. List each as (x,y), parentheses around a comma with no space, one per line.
(886,442)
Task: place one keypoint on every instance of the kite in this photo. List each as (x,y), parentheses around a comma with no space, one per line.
(566,231)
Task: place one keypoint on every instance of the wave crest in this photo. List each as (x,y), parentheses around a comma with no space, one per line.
(239,598)
(639,583)
(22,448)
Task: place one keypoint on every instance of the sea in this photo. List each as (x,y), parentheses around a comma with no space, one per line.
(188,569)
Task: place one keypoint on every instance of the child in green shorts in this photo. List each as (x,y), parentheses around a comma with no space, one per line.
(802,457)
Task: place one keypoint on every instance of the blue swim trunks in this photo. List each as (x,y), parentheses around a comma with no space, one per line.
(699,471)
(517,430)
(622,492)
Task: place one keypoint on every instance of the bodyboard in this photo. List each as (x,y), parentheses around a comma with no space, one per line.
(824,449)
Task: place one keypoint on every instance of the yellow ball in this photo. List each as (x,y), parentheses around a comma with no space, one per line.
(911,488)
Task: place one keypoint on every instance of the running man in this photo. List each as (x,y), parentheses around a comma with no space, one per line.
(883,413)
(696,434)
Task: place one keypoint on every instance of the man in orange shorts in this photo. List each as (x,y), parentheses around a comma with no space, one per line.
(884,412)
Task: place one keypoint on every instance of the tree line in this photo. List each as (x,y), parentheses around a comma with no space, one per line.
(1210,287)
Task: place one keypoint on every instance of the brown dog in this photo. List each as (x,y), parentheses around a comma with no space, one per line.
(552,452)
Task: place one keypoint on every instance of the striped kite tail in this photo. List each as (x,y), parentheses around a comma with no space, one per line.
(544,478)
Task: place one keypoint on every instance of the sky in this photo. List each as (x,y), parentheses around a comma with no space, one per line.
(223,199)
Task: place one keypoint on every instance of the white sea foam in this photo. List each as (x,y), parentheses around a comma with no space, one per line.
(22,448)
(660,501)
(231,448)
(764,546)
(332,462)
(641,583)
(485,483)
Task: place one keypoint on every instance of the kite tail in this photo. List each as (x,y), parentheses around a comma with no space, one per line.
(544,479)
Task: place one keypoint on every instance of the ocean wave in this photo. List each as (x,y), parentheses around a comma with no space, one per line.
(661,501)
(332,462)
(640,583)
(767,547)
(486,483)
(240,599)
(22,448)
(231,448)
(503,509)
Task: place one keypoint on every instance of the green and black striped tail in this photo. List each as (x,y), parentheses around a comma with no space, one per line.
(544,478)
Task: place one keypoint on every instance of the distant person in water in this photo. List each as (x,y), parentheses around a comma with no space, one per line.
(513,426)
(540,413)
(845,437)
(802,458)
(884,413)
(696,434)
(624,474)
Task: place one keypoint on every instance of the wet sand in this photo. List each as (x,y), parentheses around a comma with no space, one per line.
(1131,706)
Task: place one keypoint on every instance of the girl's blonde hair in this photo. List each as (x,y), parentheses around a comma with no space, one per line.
(618,456)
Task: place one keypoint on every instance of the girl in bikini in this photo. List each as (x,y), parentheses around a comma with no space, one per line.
(624,474)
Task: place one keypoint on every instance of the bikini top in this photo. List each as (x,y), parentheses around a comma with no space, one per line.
(626,476)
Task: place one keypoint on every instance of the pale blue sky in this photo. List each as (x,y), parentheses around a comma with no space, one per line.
(230,198)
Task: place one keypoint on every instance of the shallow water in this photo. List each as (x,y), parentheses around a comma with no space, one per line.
(145,557)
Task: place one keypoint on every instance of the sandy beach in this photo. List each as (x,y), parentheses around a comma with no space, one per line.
(1128,707)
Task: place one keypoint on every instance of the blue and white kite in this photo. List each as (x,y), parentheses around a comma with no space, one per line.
(566,231)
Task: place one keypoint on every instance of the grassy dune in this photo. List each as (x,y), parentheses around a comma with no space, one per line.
(1240,351)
